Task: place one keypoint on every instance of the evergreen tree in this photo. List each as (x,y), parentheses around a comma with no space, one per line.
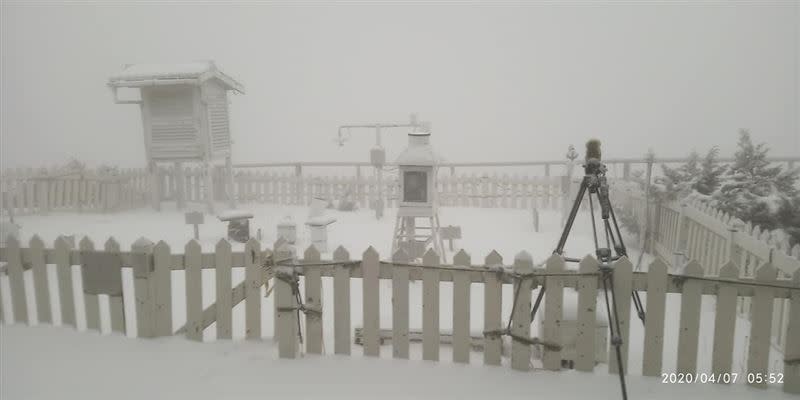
(678,182)
(754,191)
(709,177)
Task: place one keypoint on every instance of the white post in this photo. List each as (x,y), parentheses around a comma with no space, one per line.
(155,186)
(180,186)
(229,177)
(142,251)
(647,239)
(209,187)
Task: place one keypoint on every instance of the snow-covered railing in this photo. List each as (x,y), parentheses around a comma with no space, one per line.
(300,311)
(462,190)
(29,191)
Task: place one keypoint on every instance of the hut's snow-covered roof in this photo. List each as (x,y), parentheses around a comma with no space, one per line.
(138,75)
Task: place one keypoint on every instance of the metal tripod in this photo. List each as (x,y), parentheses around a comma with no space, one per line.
(594,181)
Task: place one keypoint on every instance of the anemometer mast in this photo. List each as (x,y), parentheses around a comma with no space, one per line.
(377,154)
(413,124)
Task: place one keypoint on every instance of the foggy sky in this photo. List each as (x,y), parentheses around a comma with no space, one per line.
(511,82)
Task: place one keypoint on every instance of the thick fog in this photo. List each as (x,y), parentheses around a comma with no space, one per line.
(499,83)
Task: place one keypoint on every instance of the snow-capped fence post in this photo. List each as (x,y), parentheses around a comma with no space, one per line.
(521,317)
(461,302)
(492,308)
(64,275)
(430,307)
(724,320)
(194,291)
(654,323)
(760,323)
(690,319)
(400,327)
(341,302)
(587,315)
(553,313)
(313,301)
(791,363)
(370,270)
(222,264)
(254,278)
(142,251)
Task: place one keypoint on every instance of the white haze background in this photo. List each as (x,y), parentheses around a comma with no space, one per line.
(516,81)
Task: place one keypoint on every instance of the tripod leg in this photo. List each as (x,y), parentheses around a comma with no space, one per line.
(616,227)
(637,302)
(613,326)
(571,219)
(537,303)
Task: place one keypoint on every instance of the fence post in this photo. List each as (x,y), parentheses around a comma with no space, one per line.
(180,186)
(681,245)
(791,366)
(461,306)
(44,204)
(400,328)
(313,301)
(161,284)
(209,177)
(760,320)
(286,304)
(155,185)
(16,280)
(341,302)
(64,274)
(143,268)
(521,318)
(298,173)
(253,277)
(553,313)
(730,250)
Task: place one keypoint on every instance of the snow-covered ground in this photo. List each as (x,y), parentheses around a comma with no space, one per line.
(242,369)
(56,363)
(483,230)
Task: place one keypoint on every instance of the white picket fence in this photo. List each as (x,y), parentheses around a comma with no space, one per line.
(29,191)
(693,230)
(152,267)
(473,190)
(26,191)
